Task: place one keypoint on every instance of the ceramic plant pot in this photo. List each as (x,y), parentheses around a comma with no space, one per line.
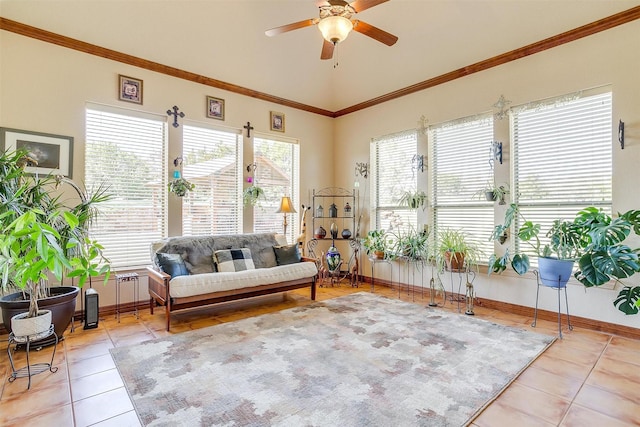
(23,326)
(555,273)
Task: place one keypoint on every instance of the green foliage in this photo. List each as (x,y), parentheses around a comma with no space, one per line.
(413,199)
(628,300)
(456,241)
(41,234)
(410,243)
(376,241)
(180,186)
(251,194)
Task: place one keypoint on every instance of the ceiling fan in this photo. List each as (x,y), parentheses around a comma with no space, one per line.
(335,23)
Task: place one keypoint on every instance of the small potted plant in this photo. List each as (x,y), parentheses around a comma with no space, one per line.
(555,259)
(413,199)
(411,244)
(492,192)
(454,250)
(180,186)
(376,243)
(251,195)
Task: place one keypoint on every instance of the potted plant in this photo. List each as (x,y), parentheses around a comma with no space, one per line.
(411,244)
(454,250)
(251,194)
(376,243)
(492,192)
(606,256)
(555,259)
(180,186)
(40,234)
(413,199)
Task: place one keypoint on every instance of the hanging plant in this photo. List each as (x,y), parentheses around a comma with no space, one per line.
(251,194)
(180,186)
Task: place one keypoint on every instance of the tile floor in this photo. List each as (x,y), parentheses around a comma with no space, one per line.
(586,379)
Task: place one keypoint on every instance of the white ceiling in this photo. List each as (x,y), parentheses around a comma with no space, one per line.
(225,40)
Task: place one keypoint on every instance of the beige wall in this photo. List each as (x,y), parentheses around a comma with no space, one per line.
(609,58)
(44,88)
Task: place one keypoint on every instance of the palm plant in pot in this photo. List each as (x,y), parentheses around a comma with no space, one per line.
(41,235)
(555,259)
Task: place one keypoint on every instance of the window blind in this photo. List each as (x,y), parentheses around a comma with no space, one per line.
(460,156)
(393,176)
(278,174)
(127,153)
(211,162)
(562,158)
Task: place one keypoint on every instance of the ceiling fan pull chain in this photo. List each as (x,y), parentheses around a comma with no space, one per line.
(335,56)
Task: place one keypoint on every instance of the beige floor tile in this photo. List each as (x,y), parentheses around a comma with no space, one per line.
(101,407)
(535,403)
(579,416)
(95,384)
(557,385)
(84,367)
(128,419)
(608,403)
(61,416)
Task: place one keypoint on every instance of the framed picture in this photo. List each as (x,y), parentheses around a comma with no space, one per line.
(277,121)
(215,108)
(130,89)
(53,153)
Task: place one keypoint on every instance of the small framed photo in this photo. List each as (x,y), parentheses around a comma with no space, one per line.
(52,154)
(215,108)
(277,121)
(130,89)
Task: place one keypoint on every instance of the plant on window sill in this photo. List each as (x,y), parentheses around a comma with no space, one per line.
(413,199)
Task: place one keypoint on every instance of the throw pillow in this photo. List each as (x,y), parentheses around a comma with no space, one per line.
(172,264)
(287,254)
(229,260)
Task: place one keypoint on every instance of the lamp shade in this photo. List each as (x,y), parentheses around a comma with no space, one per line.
(286,206)
(335,29)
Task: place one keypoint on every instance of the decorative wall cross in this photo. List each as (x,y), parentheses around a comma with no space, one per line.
(249,128)
(175,115)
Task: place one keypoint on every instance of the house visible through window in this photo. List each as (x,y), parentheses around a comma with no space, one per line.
(562,157)
(278,174)
(126,151)
(210,161)
(461,169)
(393,176)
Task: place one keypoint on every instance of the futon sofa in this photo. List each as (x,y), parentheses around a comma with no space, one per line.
(191,271)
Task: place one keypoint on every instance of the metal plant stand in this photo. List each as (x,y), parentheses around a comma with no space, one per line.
(128,277)
(566,299)
(37,368)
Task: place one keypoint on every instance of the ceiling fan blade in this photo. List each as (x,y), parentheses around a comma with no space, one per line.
(360,5)
(321,3)
(290,27)
(327,50)
(374,32)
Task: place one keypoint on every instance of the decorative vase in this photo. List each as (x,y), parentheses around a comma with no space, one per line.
(333,258)
(319,211)
(333,211)
(346,233)
(320,233)
(555,273)
(334,230)
(347,209)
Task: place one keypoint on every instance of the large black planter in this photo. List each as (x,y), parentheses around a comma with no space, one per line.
(62,304)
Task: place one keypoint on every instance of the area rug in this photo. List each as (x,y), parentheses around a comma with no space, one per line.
(357,360)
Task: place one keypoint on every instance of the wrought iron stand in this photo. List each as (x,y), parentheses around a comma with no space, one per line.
(37,368)
(566,299)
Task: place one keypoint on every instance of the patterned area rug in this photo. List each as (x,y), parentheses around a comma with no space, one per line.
(357,360)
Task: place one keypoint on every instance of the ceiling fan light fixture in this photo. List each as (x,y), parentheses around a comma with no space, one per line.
(335,29)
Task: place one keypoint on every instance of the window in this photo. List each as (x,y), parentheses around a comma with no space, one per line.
(278,174)
(210,161)
(392,176)
(460,155)
(562,157)
(126,152)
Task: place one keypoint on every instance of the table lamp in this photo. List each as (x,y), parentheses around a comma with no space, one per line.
(286,207)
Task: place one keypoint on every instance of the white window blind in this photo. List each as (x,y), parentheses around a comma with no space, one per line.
(393,175)
(278,174)
(211,162)
(460,154)
(562,158)
(126,151)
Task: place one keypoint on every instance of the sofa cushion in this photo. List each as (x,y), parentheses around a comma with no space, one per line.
(287,254)
(172,264)
(230,260)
